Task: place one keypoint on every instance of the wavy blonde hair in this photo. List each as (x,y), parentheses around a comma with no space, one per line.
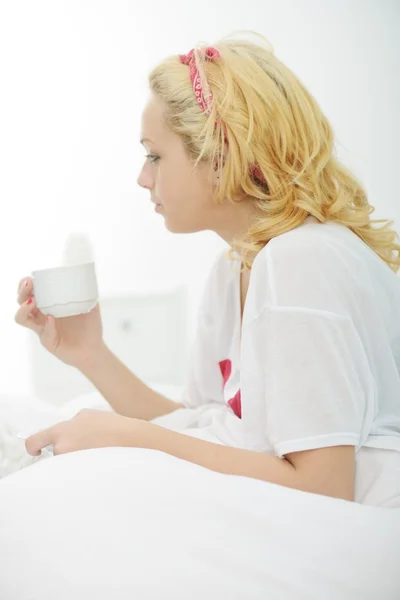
(268,119)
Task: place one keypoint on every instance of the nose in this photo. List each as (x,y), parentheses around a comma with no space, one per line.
(145,179)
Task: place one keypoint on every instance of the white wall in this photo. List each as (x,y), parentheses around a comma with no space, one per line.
(73,83)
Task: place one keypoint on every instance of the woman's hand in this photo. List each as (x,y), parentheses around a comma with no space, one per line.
(88,429)
(74,340)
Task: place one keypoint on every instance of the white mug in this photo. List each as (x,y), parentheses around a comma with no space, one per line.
(66,291)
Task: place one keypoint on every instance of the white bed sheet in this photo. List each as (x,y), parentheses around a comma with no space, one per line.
(130,523)
(127,523)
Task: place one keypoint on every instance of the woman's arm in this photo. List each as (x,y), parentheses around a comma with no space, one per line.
(126,393)
(327,471)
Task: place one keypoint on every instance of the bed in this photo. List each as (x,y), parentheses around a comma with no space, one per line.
(127,523)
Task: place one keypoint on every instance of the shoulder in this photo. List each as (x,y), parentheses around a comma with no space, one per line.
(312,246)
(310,266)
(310,241)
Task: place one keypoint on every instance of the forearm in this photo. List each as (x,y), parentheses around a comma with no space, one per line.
(126,393)
(223,459)
(334,479)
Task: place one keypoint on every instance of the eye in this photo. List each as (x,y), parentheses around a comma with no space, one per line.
(153,158)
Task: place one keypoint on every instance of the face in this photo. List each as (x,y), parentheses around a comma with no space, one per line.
(181,192)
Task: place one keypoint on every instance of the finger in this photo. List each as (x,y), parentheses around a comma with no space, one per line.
(29,316)
(35,443)
(21,282)
(25,290)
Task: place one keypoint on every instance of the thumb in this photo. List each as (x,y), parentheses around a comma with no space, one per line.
(35,443)
(49,337)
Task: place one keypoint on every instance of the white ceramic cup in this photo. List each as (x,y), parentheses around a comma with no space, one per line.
(66,291)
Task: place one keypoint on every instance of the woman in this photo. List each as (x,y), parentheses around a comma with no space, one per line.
(295,376)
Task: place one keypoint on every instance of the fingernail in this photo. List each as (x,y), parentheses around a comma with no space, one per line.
(29,301)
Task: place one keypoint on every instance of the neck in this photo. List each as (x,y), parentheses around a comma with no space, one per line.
(234,220)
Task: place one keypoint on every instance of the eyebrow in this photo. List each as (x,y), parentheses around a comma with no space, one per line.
(145,140)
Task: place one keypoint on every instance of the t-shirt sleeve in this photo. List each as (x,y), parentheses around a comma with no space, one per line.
(307,379)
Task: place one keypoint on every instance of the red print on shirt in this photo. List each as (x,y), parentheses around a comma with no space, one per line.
(235,403)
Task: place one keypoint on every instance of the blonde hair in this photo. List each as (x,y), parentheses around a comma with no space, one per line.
(268,119)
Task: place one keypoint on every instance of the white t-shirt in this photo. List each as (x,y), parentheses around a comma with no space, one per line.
(315,361)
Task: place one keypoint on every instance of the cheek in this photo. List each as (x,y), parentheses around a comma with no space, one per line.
(183,192)
(172,185)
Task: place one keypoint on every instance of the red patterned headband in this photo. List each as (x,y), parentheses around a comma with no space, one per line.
(202,91)
(199,82)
